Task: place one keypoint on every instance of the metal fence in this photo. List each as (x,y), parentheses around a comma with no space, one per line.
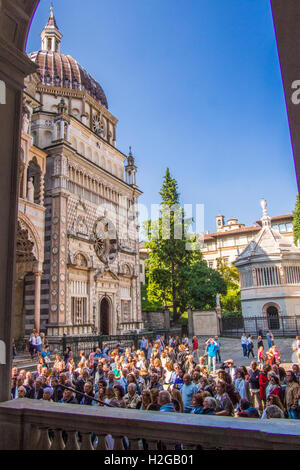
(87,343)
(280,326)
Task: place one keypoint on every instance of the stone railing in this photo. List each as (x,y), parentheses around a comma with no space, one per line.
(131,326)
(39,425)
(70,330)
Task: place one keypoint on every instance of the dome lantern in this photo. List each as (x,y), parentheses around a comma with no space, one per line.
(51,36)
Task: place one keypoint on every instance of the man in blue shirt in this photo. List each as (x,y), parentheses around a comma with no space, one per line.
(105,351)
(270,339)
(144,345)
(124,380)
(187,391)
(211,353)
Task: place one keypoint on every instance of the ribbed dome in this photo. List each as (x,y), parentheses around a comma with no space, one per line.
(62,70)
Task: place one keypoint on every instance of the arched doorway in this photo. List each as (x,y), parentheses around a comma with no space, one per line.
(273,318)
(104,316)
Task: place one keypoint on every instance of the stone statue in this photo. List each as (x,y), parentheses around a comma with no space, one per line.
(25,124)
(26,119)
(263,204)
(30,190)
(218,300)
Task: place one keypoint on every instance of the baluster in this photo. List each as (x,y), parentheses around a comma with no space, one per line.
(134,444)
(118,443)
(169,445)
(58,442)
(44,441)
(101,442)
(152,445)
(35,435)
(72,443)
(86,441)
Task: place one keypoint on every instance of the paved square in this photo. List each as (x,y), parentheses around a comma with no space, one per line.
(231,349)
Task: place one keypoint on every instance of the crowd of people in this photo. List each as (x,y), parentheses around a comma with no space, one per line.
(164,376)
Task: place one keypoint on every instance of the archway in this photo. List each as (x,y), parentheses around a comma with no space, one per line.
(104,316)
(17,16)
(29,259)
(273,318)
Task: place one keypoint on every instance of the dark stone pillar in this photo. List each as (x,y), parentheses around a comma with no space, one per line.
(286,16)
(14,66)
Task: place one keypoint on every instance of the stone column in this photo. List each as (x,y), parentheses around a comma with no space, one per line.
(83,111)
(167,318)
(14,66)
(24,189)
(42,100)
(62,129)
(68,133)
(254,277)
(55,131)
(282,275)
(37,299)
(219,320)
(42,189)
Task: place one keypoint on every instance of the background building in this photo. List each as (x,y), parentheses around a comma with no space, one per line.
(77,206)
(31,222)
(269,270)
(231,238)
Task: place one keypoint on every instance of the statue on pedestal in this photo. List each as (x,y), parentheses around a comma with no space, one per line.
(30,190)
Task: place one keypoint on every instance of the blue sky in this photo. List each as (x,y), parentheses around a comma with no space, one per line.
(196,86)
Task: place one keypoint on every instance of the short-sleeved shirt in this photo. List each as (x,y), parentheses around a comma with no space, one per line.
(212,349)
(225,403)
(187,392)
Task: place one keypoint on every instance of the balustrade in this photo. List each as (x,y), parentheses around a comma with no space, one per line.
(36,424)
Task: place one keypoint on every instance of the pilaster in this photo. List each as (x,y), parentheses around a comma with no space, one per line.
(14,66)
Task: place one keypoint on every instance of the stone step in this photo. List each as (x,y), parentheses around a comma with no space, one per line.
(24,361)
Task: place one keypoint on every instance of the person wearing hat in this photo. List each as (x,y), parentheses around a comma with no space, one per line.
(68,397)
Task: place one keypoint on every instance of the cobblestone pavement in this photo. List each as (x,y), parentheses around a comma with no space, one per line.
(231,349)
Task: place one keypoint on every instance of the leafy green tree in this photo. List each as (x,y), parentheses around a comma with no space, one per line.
(199,286)
(177,276)
(231,301)
(147,305)
(296,221)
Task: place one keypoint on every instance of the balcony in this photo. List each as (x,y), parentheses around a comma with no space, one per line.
(38,425)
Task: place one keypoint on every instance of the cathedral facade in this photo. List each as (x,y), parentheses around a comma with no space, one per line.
(78,260)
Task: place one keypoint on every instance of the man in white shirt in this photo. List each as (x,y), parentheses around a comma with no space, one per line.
(38,344)
(244,341)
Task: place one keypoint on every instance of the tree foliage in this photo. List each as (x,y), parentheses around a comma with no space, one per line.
(296,221)
(200,285)
(231,301)
(177,275)
(147,305)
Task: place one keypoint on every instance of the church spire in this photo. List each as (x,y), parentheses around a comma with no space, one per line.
(130,169)
(51,36)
